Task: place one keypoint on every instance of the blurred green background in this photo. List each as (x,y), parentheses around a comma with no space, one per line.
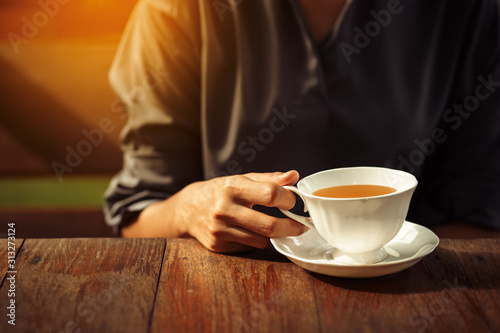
(47,191)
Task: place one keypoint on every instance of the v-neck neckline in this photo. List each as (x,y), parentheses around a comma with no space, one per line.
(315,49)
(331,36)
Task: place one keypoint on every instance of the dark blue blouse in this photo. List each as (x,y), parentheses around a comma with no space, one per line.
(214,89)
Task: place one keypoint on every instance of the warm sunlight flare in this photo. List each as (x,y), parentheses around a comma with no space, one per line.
(63,18)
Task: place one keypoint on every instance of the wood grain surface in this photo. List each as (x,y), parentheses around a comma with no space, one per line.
(209,292)
(432,296)
(157,285)
(480,260)
(85,285)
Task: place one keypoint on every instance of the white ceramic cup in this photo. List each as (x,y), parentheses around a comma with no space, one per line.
(358,228)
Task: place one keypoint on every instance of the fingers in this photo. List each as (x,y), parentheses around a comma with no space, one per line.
(250,192)
(255,222)
(280,178)
(227,240)
(269,226)
(256,235)
(224,237)
(223,218)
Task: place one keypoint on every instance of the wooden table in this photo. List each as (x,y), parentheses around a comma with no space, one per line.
(158,285)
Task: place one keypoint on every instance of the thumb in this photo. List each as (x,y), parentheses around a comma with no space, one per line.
(280,178)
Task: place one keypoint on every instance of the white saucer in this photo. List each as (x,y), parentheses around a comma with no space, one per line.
(310,251)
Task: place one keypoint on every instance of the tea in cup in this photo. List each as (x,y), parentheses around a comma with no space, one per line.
(358,210)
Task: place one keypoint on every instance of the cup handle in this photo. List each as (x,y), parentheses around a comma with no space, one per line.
(301,219)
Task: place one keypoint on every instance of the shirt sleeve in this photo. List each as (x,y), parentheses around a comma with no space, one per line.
(461,181)
(156,74)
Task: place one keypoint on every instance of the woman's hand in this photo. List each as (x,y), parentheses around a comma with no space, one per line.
(218,212)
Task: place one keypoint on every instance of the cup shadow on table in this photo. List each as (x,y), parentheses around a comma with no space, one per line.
(268,254)
(438,271)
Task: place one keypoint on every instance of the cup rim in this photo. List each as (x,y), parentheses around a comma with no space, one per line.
(411,187)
